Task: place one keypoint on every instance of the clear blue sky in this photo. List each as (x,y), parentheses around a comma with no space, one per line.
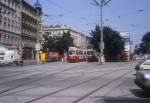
(122,15)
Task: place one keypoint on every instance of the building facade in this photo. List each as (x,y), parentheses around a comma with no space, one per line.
(127,41)
(79,39)
(30,26)
(126,38)
(10,23)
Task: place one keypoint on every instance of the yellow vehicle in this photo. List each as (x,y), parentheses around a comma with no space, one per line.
(43,57)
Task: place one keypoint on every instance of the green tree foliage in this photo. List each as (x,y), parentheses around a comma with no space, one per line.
(64,42)
(114,43)
(145,45)
(60,43)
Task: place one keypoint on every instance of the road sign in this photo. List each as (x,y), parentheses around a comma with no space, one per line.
(38,47)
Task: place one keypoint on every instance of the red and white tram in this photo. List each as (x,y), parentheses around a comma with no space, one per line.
(74,54)
(78,55)
(91,55)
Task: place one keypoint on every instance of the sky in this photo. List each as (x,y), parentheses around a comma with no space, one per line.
(131,16)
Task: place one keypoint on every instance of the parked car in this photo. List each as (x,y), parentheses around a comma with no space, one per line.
(143,65)
(143,79)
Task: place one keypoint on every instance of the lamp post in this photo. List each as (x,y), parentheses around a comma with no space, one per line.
(101,57)
(101,4)
(38,8)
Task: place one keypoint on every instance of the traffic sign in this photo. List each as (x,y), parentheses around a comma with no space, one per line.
(38,47)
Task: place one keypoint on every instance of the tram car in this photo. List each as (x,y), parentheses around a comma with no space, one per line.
(75,54)
(91,55)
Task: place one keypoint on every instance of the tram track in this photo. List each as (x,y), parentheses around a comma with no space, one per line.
(38,79)
(75,85)
(99,88)
(55,81)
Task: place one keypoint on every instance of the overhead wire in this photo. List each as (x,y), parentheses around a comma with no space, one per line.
(74,15)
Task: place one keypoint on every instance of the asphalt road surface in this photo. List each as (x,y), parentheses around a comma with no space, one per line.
(71,83)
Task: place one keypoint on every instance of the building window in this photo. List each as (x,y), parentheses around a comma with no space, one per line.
(1,17)
(0,10)
(5,19)
(9,3)
(12,39)
(0,36)
(12,4)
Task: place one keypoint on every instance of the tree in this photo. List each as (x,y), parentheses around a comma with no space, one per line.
(114,43)
(64,42)
(145,45)
(48,43)
(60,43)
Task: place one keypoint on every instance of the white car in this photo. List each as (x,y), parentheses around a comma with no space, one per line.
(143,79)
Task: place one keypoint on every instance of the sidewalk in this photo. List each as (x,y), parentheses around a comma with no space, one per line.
(29,62)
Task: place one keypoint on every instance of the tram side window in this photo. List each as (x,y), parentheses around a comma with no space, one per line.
(71,52)
(81,52)
(92,52)
(88,52)
(78,52)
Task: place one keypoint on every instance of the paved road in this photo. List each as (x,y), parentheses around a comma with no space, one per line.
(26,63)
(71,83)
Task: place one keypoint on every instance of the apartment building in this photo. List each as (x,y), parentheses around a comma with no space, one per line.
(30,26)
(10,23)
(79,39)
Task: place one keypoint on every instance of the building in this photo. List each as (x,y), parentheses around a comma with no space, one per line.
(127,40)
(79,39)
(10,23)
(30,26)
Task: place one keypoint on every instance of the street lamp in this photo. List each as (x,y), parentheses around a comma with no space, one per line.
(101,4)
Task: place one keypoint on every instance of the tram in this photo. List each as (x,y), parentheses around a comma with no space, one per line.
(77,55)
(74,54)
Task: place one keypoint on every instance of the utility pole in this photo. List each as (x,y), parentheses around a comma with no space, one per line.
(101,4)
(38,8)
(102,41)
(37,42)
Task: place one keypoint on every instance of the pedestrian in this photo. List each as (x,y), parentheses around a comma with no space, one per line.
(62,59)
(102,59)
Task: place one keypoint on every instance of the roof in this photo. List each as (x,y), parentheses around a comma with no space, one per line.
(28,5)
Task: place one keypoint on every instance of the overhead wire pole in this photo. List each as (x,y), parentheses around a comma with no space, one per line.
(38,8)
(101,22)
(101,3)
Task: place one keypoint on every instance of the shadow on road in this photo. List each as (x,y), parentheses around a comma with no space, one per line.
(125,100)
(140,97)
(140,93)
